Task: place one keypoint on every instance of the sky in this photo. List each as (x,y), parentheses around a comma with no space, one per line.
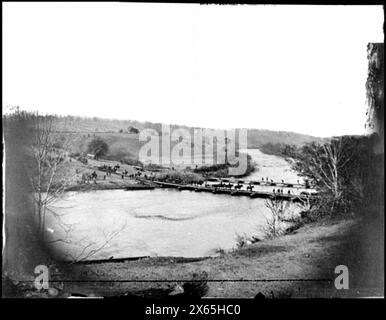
(288,68)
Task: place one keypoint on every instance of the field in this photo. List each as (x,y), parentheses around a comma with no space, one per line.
(124,144)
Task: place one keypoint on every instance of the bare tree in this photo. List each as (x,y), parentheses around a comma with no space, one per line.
(92,247)
(48,171)
(278,209)
(325,165)
(88,247)
(50,175)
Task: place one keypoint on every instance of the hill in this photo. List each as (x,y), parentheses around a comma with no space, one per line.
(256,137)
(259,137)
(122,135)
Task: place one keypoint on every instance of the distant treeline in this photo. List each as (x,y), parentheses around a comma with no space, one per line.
(259,137)
(279,149)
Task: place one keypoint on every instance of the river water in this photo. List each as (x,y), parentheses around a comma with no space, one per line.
(159,222)
(271,167)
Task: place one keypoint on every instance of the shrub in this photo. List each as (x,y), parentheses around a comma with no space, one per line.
(178,177)
(98,147)
(133,130)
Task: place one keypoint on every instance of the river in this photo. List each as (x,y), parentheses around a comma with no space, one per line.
(271,167)
(160,222)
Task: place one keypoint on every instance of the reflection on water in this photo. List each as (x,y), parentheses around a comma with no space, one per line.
(157,222)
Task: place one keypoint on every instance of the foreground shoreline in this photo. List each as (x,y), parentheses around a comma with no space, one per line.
(309,252)
(300,264)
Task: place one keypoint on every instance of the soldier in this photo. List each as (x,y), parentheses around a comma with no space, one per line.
(83,177)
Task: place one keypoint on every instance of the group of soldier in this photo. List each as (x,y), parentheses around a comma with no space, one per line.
(281,191)
(108,170)
(86,178)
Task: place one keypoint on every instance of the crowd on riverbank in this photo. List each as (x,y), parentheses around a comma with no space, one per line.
(111,175)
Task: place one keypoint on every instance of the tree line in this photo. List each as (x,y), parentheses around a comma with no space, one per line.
(344,170)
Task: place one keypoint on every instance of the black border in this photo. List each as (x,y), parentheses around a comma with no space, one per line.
(133,308)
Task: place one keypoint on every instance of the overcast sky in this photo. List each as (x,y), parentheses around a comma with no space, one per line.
(293,68)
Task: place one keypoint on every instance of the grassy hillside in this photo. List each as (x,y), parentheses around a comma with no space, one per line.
(123,140)
(121,146)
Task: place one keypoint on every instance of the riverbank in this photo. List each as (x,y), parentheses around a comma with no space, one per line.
(126,175)
(103,181)
(300,264)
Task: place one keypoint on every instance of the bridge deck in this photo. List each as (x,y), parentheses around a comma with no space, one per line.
(233,192)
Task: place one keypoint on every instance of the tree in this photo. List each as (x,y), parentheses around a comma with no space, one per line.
(340,169)
(375,90)
(348,170)
(98,147)
(35,159)
(375,117)
(47,172)
(322,163)
(88,247)
(22,247)
(38,173)
(133,130)
(278,208)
